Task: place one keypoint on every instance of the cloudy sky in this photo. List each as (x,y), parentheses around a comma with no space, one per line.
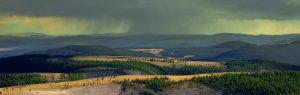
(83,17)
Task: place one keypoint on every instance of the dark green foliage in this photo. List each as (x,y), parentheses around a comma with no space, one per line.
(250,65)
(142,66)
(155,84)
(233,66)
(260,83)
(189,70)
(30,63)
(71,77)
(20,79)
(255,83)
(39,63)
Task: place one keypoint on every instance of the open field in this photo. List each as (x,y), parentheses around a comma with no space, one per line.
(156,61)
(105,89)
(152,51)
(96,81)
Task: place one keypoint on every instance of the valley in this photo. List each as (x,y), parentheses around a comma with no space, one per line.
(225,68)
(149,47)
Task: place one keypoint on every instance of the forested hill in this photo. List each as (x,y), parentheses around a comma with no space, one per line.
(89,50)
(285,53)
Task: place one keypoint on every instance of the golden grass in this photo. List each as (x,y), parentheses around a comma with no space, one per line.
(152,51)
(98,81)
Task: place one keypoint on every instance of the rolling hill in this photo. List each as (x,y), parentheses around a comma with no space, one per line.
(89,50)
(205,52)
(34,42)
(238,50)
(286,53)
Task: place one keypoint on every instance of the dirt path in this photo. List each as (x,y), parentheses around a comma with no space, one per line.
(98,81)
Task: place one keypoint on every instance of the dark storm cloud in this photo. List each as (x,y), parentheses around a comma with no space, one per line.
(266,9)
(166,16)
(277,9)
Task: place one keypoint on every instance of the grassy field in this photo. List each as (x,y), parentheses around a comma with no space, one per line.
(97,81)
(156,61)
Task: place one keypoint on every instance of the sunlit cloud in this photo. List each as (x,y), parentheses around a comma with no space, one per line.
(248,26)
(78,17)
(258,26)
(61,26)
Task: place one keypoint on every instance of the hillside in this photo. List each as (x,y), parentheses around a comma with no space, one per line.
(250,83)
(98,81)
(286,41)
(286,53)
(89,50)
(238,50)
(234,44)
(43,42)
(205,52)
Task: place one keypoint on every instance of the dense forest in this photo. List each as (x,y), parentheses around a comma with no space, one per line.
(255,83)
(7,80)
(17,79)
(262,83)
(155,84)
(37,63)
(189,70)
(70,77)
(256,65)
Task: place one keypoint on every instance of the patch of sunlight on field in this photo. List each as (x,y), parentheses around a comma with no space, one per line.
(98,81)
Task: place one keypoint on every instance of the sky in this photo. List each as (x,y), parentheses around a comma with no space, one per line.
(87,17)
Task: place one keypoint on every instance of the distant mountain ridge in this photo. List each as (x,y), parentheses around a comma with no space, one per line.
(237,50)
(151,40)
(286,53)
(88,50)
(205,52)
(42,42)
(234,44)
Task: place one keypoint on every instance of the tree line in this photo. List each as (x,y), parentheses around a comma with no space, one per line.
(7,80)
(255,83)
